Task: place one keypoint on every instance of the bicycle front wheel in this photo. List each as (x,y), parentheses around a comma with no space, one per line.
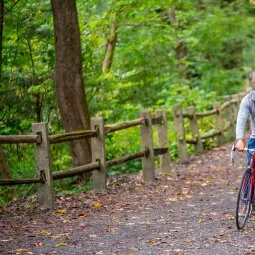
(244,205)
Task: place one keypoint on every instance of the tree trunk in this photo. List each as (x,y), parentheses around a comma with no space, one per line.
(70,90)
(3,165)
(110,47)
(1,35)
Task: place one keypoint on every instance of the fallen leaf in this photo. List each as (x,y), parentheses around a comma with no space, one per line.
(225,233)
(187,241)
(61,244)
(230,217)
(66,221)
(201,220)
(173,199)
(113,230)
(38,244)
(22,250)
(61,211)
(45,232)
(96,205)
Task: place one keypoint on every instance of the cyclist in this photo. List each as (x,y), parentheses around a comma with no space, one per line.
(246,110)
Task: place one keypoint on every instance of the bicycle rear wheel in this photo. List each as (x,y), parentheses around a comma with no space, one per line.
(244,205)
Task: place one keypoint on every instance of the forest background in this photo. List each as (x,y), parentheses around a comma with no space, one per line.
(136,54)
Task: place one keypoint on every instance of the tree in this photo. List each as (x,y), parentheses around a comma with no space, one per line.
(70,91)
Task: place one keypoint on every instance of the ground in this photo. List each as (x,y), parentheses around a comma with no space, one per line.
(188,211)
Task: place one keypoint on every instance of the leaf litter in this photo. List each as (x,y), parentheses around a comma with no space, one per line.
(186,209)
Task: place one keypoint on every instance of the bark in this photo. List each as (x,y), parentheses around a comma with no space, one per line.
(4,169)
(1,35)
(110,47)
(70,90)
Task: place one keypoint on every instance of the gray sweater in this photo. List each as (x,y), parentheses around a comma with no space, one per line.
(246,110)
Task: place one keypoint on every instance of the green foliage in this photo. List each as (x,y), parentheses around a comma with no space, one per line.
(167,52)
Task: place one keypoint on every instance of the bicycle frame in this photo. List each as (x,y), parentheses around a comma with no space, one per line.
(252,183)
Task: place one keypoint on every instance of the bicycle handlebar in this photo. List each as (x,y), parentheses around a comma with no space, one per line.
(245,149)
(252,151)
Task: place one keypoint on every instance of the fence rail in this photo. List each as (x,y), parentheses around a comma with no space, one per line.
(20,181)
(76,171)
(15,139)
(123,125)
(67,137)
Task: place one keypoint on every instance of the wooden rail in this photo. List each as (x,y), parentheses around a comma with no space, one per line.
(75,171)
(15,139)
(123,125)
(207,113)
(125,158)
(76,135)
(19,181)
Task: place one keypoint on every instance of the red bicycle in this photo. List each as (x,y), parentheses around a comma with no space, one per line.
(245,198)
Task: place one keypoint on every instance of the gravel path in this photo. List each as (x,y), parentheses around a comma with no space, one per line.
(188,212)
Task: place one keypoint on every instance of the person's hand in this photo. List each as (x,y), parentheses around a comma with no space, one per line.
(240,145)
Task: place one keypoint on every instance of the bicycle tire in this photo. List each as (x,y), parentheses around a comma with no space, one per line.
(241,218)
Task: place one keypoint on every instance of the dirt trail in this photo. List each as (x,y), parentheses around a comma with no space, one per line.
(188,212)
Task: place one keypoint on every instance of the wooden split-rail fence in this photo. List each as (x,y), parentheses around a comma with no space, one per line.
(225,118)
(225,121)
(42,140)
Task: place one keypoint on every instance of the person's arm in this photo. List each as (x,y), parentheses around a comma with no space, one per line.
(242,118)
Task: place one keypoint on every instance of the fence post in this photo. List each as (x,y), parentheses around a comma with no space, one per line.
(180,134)
(163,140)
(235,108)
(229,115)
(147,146)
(194,129)
(219,123)
(43,167)
(98,154)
